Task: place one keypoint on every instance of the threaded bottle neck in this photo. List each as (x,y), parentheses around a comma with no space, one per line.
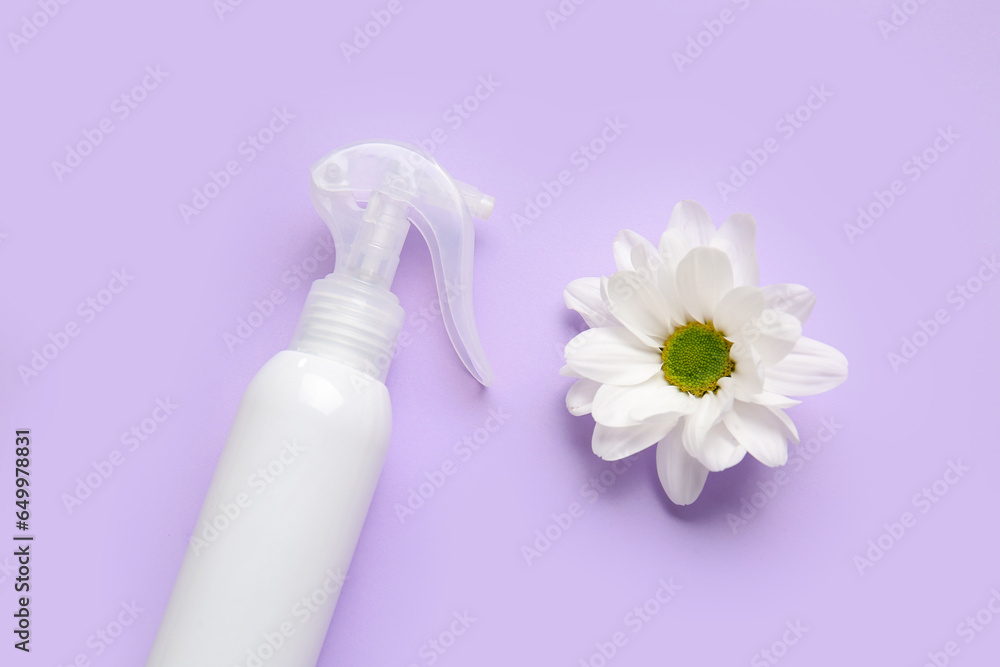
(351,321)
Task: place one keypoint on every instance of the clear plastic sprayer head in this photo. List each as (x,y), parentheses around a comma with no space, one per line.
(368,194)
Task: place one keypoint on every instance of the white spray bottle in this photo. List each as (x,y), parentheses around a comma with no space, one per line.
(289,497)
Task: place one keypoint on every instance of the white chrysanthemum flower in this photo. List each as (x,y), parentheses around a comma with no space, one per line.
(685,350)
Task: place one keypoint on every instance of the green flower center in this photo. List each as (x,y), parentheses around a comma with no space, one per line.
(696,357)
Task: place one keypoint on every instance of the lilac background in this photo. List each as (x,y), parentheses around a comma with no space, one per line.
(163,335)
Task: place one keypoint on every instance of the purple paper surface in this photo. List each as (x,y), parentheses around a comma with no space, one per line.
(878,544)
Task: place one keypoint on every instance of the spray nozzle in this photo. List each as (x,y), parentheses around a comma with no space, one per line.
(369,193)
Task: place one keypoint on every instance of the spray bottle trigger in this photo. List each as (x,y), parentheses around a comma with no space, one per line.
(398,179)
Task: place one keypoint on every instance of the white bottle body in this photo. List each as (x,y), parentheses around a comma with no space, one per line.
(281,519)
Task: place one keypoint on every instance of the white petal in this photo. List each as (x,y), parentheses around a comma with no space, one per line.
(707,413)
(646,258)
(737,237)
(613,404)
(580,397)
(627,406)
(790,298)
(673,246)
(612,355)
(749,369)
(766,398)
(612,443)
(774,334)
(691,219)
(759,431)
(681,475)
(703,278)
(666,279)
(810,368)
(648,262)
(636,301)
(584,296)
(662,400)
(622,248)
(720,450)
(568,372)
(790,429)
(739,306)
